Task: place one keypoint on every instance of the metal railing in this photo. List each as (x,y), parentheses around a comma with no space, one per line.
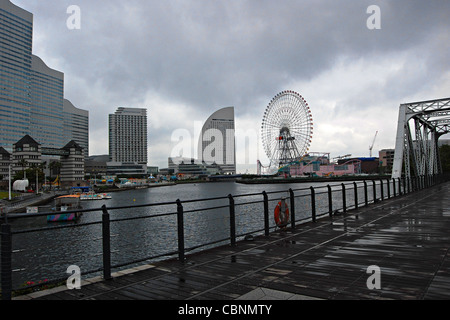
(239,216)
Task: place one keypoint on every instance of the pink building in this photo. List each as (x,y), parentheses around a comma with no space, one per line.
(317,169)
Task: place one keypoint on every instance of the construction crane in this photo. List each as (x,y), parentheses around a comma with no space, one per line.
(373,142)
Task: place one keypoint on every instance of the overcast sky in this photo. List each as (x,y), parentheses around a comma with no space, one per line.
(184,59)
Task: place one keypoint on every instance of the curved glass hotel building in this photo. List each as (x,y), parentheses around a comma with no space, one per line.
(216,142)
(32,94)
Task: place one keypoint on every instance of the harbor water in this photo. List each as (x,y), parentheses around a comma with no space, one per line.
(40,256)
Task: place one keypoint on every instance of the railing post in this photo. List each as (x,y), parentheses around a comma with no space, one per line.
(355,194)
(292,200)
(344,199)
(180,227)
(366,196)
(388,188)
(393,186)
(330,201)
(374,191)
(266,213)
(400,186)
(232,221)
(6,252)
(313,204)
(106,236)
(381,189)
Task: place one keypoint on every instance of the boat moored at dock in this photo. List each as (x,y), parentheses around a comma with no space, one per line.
(64,204)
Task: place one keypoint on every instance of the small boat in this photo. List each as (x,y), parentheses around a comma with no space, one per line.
(106,196)
(91,196)
(63,204)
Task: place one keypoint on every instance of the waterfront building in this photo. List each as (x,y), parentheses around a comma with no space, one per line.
(31,94)
(26,154)
(72,164)
(386,157)
(46,108)
(128,135)
(367,165)
(191,167)
(130,169)
(15,73)
(76,124)
(95,168)
(315,169)
(5,160)
(152,170)
(217,141)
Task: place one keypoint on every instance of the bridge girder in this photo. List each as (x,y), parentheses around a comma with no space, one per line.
(420,124)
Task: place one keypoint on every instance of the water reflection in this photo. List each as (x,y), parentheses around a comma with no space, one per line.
(46,255)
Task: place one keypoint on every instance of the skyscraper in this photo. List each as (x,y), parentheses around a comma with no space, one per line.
(31,93)
(15,73)
(128,135)
(76,124)
(46,108)
(216,142)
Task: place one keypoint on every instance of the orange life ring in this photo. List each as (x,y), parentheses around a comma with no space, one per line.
(281,216)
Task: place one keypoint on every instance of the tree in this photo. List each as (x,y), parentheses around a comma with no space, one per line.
(445,158)
(23,163)
(30,174)
(55,167)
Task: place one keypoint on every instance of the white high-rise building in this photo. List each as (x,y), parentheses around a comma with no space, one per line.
(128,135)
(217,143)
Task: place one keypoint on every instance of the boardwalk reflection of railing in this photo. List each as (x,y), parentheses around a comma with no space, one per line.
(188,226)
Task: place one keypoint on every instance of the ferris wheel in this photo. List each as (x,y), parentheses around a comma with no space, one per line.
(286,128)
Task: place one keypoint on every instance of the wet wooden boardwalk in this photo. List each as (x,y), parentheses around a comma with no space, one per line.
(407,237)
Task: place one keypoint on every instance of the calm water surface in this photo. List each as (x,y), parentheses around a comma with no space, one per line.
(47,254)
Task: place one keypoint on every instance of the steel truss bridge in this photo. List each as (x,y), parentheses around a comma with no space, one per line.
(420,124)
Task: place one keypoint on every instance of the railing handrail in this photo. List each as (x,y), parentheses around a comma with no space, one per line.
(404,186)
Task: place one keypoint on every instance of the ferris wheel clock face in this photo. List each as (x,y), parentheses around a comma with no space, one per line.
(286,128)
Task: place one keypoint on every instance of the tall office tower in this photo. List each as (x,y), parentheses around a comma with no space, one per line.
(46,110)
(76,123)
(216,142)
(31,93)
(128,135)
(16,35)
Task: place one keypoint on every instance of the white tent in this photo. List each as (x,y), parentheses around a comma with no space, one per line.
(21,185)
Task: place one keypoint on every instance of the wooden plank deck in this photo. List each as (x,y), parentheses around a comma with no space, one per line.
(407,237)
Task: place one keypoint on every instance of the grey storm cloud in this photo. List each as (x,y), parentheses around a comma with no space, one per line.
(207,51)
(209,54)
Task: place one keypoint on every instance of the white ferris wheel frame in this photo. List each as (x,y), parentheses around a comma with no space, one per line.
(287,109)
